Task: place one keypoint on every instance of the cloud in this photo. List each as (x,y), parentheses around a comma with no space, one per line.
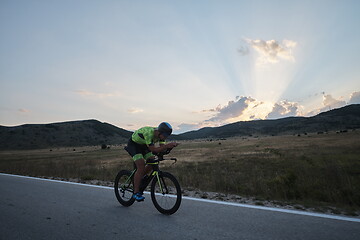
(135,110)
(355,98)
(271,51)
(22,110)
(329,102)
(243,109)
(248,108)
(87,93)
(283,109)
(185,127)
(232,110)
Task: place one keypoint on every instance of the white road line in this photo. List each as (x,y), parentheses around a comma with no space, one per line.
(212,201)
(58,181)
(278,210)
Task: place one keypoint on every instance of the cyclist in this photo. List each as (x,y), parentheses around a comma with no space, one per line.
(141,147)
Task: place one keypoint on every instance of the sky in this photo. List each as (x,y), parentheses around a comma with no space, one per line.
(193,64)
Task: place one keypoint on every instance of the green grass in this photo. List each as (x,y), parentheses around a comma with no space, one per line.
(312,170)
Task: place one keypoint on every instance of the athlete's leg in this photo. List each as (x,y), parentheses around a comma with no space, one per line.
(148,156)
(140,172)
(148,169)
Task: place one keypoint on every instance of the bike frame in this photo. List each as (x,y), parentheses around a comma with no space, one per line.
(155,173)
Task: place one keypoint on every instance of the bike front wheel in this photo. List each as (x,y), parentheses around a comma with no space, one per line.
(124,188)
(166,193)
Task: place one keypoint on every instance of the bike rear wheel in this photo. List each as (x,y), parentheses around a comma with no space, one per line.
(166,194)
(124,188)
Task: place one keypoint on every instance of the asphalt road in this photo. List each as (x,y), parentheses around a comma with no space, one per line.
(38,209)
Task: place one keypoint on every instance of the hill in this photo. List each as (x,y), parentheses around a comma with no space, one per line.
(93,132)
(65,134)
(344,118)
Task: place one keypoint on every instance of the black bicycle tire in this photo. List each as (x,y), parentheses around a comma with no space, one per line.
(123,202)
(178,193)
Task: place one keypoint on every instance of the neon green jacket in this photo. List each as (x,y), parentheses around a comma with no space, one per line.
(146,136)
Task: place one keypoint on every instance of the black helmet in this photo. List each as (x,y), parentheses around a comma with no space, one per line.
(165,129)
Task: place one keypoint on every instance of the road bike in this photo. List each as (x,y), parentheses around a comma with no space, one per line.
(165,189)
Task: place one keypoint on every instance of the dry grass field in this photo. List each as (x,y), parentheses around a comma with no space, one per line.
(314,170)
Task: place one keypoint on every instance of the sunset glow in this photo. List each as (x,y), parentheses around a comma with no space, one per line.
(191,63)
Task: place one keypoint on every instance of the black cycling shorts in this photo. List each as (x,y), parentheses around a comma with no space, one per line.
(138,151)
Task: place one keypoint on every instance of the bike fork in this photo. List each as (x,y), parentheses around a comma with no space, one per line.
(162,184)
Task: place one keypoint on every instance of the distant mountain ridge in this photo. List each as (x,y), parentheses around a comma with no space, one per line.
(93,132)
(65,134)
(347,117)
